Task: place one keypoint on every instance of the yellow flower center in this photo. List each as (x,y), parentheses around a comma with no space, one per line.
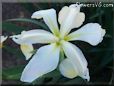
(60,40)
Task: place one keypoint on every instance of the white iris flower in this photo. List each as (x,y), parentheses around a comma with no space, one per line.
(2,39)
(46,58)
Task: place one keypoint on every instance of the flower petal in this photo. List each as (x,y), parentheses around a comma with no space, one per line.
(68,69)
(44,61)
(49,17)
(69,18)
(77,57)
(27,50)
(91,33)
(3,38)
(34,36)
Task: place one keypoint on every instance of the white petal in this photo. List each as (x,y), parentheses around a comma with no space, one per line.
(34,36)
(27,50)
(44,61)
(68,69)
(3,38)
(91,33)
(49,17)
(86,75)
(76,56)
(69,18)
(79,19)
(63,14)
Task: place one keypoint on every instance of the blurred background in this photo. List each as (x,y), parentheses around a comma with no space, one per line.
(100,57)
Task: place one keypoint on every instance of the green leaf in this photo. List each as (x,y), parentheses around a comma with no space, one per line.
(55,75)
(49,78)
(75,81)
(108,55)
(9,27)
(38,23)
(100,50)
(107,59)
(14,51)
(12,73)
(111,79)
(96,15)
(108,36)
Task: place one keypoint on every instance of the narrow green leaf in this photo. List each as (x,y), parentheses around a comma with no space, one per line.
(12,27)
(96,15)
(38,23)
(107,58)
(108,36)
(111,79)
